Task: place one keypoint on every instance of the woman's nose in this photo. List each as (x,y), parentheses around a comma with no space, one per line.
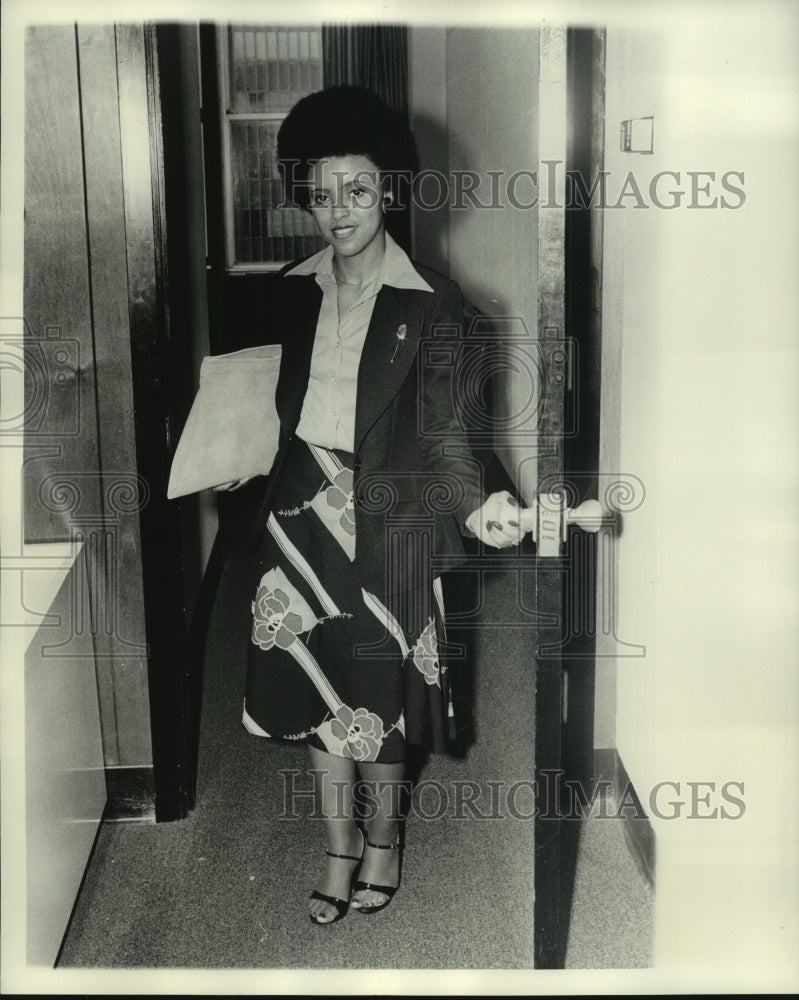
(340,209)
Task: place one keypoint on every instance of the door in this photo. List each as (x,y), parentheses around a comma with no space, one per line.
(571,115)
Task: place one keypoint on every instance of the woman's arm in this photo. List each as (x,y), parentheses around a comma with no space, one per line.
(494,519)
(443,439)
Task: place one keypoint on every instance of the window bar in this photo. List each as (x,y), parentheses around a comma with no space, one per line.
(263,196)
(266,184)
(282,67)
(255,205)
(260,70)
(236,50)
(272,68)
(263,188)
(248,159)
(294,66)
(249,66)
(304,80)
(316,55)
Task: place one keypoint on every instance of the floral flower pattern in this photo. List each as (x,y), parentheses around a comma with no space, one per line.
(334,507)
(339,497)
(298,682)
(360,731)
(425,654)
(280,613)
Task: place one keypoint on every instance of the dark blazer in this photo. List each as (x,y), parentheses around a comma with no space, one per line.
(415,479)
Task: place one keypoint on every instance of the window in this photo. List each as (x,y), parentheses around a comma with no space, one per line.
(264,71)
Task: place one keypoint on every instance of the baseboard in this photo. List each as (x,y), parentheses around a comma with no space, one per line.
(639,834)
(131,794)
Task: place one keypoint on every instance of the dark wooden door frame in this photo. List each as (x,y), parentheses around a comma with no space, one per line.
(160,337)
(176,633)
(569,327)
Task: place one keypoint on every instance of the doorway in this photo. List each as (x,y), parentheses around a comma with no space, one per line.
(232,312)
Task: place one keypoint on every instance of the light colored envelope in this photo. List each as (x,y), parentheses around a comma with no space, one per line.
(233,428)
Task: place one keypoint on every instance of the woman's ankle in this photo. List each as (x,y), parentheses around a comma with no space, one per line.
(344,837)
(383,832)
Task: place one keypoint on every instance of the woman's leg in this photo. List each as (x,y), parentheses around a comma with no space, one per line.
(384,789)
(334,788)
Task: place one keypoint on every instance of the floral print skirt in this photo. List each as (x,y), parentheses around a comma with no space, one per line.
(352,673)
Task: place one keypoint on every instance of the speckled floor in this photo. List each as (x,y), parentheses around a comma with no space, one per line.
(228,886)
(611,920)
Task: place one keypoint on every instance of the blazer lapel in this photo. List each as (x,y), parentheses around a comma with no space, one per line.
(388,352)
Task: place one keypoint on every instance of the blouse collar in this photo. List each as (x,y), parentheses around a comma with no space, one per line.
(397,269)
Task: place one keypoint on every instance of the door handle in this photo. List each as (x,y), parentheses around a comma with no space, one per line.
(548,521)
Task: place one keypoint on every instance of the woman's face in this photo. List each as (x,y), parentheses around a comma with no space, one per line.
(346,201)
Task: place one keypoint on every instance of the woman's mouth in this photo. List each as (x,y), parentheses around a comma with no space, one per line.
(342,232)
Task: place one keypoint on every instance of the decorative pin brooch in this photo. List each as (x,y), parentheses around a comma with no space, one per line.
(402,330)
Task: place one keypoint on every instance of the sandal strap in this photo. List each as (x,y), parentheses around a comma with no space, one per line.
(387,890)
(383,847)
(340,904)
(345,857)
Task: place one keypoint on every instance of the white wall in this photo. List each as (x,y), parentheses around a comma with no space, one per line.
(699,402)
(474,98)
(427,84)
(700,311)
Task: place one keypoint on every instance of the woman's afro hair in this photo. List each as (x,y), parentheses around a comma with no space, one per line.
(341,121)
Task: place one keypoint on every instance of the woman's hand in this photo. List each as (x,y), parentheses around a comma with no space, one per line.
(497,522)
(236,484)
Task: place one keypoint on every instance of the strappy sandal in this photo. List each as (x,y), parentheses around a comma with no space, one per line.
(387,890)
(341,905)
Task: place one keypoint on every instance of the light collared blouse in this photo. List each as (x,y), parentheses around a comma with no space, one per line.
(328,411)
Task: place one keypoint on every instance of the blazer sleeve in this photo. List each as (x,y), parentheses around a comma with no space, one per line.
(443,437)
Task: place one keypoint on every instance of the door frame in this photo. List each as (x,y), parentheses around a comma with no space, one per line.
(564,674)
(153,394)
(569,274)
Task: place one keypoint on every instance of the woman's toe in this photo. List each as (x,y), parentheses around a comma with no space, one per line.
(367,899)
(320,911)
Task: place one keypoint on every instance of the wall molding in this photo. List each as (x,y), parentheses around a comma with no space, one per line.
(639,834)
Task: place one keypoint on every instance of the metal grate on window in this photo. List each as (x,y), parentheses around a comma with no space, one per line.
(262,230)
(270,69)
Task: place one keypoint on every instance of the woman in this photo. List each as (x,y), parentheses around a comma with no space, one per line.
(371,488)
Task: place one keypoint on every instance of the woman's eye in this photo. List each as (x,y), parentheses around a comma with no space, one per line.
(320,199)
